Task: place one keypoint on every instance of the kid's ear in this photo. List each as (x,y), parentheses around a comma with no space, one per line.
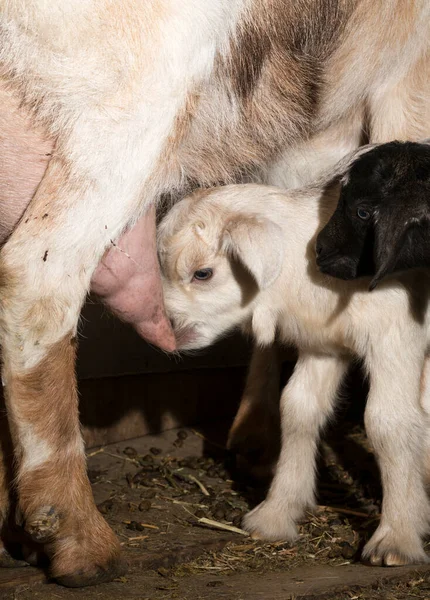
(386,253)
(390,237)
(259,244)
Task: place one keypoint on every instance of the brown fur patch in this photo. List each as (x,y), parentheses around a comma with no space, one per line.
(46,396)
(294,69)
(84,542)
(46,399)
(270,81)
(297,36)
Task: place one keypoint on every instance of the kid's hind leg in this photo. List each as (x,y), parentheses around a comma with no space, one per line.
(255,432)
(425,405)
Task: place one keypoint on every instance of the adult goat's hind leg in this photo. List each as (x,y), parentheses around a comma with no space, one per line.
(45,272)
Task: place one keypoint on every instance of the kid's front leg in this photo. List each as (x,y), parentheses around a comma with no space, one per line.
(306,404)
(397,427)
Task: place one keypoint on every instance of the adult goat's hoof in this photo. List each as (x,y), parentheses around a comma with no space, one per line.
(93,576)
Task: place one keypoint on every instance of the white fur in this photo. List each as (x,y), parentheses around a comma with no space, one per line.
(111,83)
(35,450)
(330,322)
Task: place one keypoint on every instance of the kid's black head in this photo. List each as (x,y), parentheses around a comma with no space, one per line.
(382,220)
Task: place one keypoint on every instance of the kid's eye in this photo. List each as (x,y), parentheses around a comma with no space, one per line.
(203,274)
(363,214)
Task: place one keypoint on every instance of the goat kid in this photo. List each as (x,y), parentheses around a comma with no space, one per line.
(146,98)
(243,256)
(382,221)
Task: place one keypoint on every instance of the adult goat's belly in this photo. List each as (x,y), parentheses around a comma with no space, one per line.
(24,156)
(128,279)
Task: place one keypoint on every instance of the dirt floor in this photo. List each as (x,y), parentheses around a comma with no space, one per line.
(176,502)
